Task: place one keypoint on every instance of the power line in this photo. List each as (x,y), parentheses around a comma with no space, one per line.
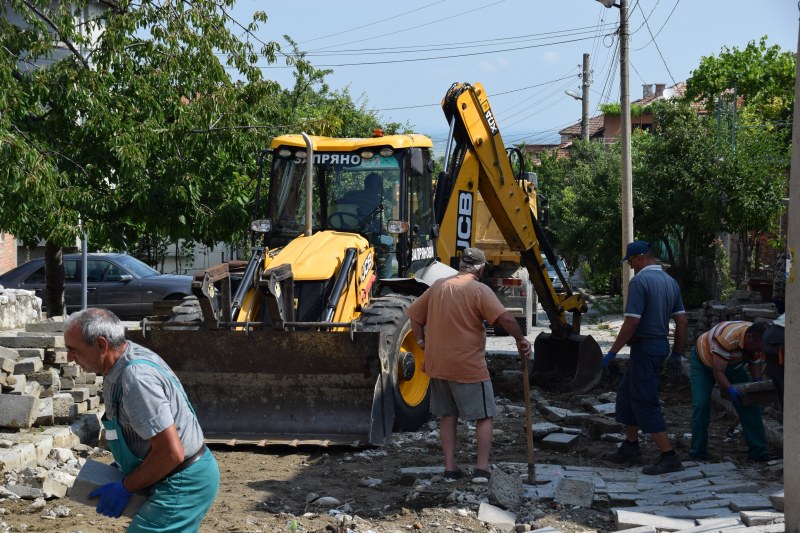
(417,27)
(438,57)
(653,37)
(653,40)
(371,23)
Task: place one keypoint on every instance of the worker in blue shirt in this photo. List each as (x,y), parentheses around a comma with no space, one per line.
(653,298)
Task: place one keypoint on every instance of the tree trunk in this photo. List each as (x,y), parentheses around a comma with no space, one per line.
(54,279)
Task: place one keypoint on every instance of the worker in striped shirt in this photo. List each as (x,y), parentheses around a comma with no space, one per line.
(720,356)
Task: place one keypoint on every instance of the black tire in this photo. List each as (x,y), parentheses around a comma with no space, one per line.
(411,396)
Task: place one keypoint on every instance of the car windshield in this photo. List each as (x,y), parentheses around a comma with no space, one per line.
(136,267)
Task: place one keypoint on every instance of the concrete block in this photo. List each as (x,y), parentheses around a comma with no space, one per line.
(421,472)
(62,437)
(555,414)
(497,517)
(17,384)
(17,411)
(95,474)
(561,442)
(64,409)
(596,426)
(709,504)
(577,419)
(543,429)
(641,529)
(44,412)
(505,490)
(71,370)
(25,492)
(777,500)
(92,402)
(761,518)
(86,378)
(32,340)
(52,325)
(31,352)
(19,456)
(575,492)
(80,394)
(630,519)
(55,356)
(606,409)
(67,384)
(43,444)
(717,469)
(47,378)
(56,484)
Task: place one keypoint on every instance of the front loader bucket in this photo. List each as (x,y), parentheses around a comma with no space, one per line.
(575,356)
(266,387)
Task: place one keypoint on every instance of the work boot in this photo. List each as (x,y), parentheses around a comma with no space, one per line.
(667,463)
(628,452)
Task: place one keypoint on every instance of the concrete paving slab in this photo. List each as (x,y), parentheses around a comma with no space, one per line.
(576,492)
(761,518)
(560,442)
(629,519)
(747,502)
(641,529)
(713,525)
(496,516)
(777,500)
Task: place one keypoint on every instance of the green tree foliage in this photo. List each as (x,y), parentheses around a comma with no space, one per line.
(762,75)
(147,121)
(585,222)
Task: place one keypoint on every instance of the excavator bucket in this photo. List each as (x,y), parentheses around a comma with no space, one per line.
(295,388)
(575,356)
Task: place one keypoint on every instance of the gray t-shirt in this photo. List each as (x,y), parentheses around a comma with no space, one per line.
(150,402)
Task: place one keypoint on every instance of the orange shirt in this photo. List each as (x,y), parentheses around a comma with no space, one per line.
(726,339)
(453,310)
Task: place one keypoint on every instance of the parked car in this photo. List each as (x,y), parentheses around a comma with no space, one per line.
(551,271)
(118,282)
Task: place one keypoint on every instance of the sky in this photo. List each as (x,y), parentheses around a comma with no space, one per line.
(401,57)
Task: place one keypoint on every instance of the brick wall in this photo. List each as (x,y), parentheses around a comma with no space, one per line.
(8,252)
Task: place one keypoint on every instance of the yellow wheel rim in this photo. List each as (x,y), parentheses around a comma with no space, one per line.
(414,390)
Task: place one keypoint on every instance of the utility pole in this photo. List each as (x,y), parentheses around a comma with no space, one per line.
(625,140)
(585,99)
(791,417)
(626,178)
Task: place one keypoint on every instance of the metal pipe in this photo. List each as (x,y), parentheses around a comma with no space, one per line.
(338,286)
(309,183)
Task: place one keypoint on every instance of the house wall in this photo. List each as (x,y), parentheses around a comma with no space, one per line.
(8,252)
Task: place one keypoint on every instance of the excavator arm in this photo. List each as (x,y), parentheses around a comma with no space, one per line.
(478,163)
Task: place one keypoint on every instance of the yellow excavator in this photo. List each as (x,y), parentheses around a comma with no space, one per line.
(313,344)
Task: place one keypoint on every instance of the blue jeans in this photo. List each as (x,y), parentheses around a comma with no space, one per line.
(702,381)
(637,394)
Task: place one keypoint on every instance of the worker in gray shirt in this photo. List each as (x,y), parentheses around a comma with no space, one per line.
(151,428)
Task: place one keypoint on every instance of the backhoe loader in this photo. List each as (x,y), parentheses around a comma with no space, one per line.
(314,346)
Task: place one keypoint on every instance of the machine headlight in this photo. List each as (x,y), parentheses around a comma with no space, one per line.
(263,225)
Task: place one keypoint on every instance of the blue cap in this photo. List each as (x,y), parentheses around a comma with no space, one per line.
(636,248)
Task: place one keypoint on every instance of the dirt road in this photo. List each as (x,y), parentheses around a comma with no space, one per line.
(344,489)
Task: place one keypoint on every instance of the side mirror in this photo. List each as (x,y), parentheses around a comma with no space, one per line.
(417,163)
(125,278)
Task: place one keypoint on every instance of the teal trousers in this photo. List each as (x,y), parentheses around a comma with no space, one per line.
(179,502)
(702,381)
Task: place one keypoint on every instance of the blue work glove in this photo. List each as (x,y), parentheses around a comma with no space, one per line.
(736,396)
(675,364)
(114,497)
(607,359)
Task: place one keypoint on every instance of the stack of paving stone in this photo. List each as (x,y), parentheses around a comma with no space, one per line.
(743,305)
(39,386)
